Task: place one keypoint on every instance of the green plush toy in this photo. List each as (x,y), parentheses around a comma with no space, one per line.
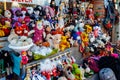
(38,56)
(76,71)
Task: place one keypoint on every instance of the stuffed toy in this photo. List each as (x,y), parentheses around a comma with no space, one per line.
(88,28)
(36,15)
(84,38)
(62,78)
(68,72)
(30,10)
(24,57)
(42,12)
(8,14)
(76,71)
(71,59)
(75,10)
(46,68)
(36,76)
(8,63)
(5,26)
(19,30)
(38,34)
(64,43)
(12,35)
(24,12)
(17,16)
(49,12)
(79,26)
(56,41)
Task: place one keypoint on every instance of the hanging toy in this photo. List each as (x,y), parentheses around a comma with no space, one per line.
(24,57)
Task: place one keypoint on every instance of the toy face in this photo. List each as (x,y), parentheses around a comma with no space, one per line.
(30,10)
(47,10)
(39,25)
(7,14)
(23,12)
(18,13)
(36,12)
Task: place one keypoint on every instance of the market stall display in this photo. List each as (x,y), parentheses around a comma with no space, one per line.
(39,36)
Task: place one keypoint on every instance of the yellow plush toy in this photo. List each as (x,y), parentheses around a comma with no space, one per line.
(84,38)
(64,43)
(88,28)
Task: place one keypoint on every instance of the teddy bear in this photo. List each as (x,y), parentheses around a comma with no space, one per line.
(64,43)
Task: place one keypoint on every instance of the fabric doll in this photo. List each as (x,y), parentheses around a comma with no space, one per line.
(7,62)
(25,29)
(29,10)
(5,25)
(24,57)
(19,30)
(74,10)
(8,14)
(17,17)
(36,15)
(49,12)
(23,11)
(38,35)
(42,12)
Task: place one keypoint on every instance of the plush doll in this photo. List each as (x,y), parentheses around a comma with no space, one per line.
(25,30)
(64,43)
(24,12)
(8,14)
(8,63)
(38,35)
(71,59)
(88,28)
(24,57)
(62,78)
(79,26)
(68,73)
(76,71)
(5,25)
(30,10)
(36,16)
(19,30)
(84,38)
(75,10)
(56,41)
(42,12)
(49,12)
(17,15)
(12,35)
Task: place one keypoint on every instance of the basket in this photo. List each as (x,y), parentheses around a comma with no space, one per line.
(21,48)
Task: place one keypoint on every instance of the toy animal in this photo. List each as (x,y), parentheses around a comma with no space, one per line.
(64,43)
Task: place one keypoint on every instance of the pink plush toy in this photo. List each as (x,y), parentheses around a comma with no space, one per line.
(38,32)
